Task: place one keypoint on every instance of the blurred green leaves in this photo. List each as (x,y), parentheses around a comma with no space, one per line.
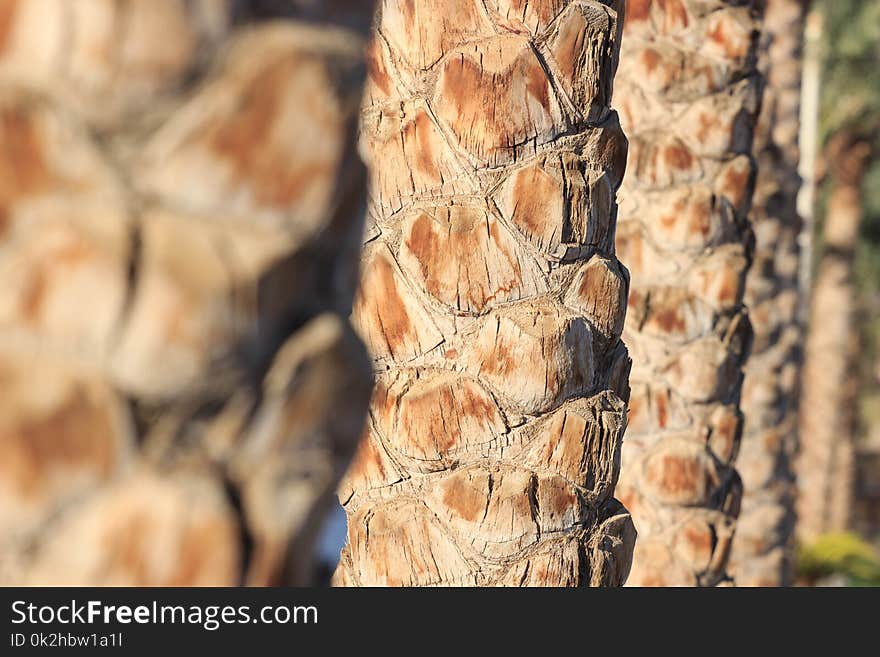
(851,63)
(842,554)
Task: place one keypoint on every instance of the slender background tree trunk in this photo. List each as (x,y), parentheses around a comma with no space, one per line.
(180,217)
(763,548)
(809,151)
(825,467)
(688,92)
(491,300)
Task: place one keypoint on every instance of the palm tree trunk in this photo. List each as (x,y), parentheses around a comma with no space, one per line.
(688,91)
(491,300)
(811,91)
(180,216)
(827,418)
(763,548)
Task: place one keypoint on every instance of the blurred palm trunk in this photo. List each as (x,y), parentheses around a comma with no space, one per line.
(825,466)
(811,91)
(688,92)
(763,546)
(491,300)
(181,206)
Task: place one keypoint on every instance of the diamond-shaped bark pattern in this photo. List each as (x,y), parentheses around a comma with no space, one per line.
(100,58)
(387,312)
(688,92)
(559,203)
(536,360)
(534,15)
(178,246)
(465,258)
(417,162)
(496,100)
(248,145)
(578,46)
(423,31)
(431,420)
(491,300)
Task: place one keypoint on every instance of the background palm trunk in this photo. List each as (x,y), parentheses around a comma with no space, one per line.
(491,300)
(688,92)
(827,419)
(763,548)
(809,135)
(180,217)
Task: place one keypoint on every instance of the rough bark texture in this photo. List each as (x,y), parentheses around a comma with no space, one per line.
(764,542)
(688,94)
(492,300)
(825,467)
(181,206)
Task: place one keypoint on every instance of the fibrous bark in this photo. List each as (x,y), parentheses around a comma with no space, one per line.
(180,216)
(763,546)
(491,300)
(688,92)
(825,468)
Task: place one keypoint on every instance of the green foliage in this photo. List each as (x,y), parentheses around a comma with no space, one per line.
(851,63)
(840,554)
(851,86)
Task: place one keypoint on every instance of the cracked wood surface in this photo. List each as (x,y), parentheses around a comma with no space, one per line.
(491,299)
(688,94)
(763,547)
(180,217)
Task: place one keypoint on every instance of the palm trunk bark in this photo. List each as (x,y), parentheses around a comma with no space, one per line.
(688,92)
(827,418)
(763,548)
(811,91)
(492,300)
(181,207)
